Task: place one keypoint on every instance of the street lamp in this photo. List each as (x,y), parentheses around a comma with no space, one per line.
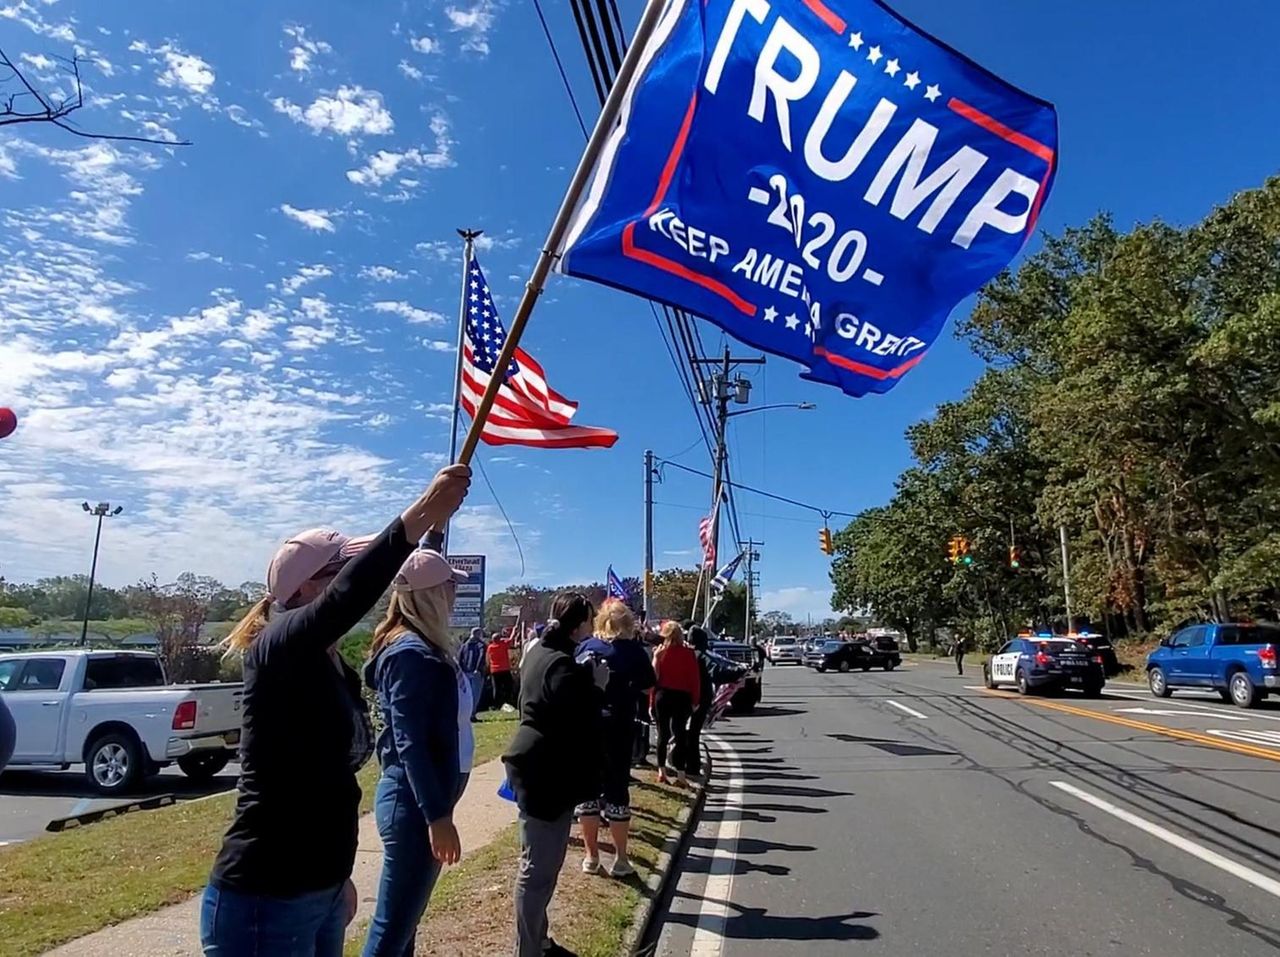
(100,511)
(802,406)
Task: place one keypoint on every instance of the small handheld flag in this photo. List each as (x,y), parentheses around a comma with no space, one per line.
(725,575)
(616,588)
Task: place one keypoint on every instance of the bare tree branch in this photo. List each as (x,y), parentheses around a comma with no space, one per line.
(57,115)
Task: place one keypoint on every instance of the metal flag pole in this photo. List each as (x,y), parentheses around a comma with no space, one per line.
(469,237)
(537,280)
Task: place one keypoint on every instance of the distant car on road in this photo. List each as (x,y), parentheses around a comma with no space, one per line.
(113,712)
(750,658)
(1045,662)
(784,648)
(860,655)
(1236,660)
(1101,645)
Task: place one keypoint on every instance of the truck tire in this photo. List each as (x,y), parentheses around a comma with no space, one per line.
(890,665)
(204,765)
(114,763)
(986,677)
(1243,692)
(844,668)
(1158,683)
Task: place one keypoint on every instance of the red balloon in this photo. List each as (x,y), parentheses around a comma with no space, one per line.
(8,422)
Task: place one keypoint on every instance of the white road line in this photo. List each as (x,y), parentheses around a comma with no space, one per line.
(1213,858)
(708,937)
(1182,713)
(911,711)
(1193,702)
(1270,739)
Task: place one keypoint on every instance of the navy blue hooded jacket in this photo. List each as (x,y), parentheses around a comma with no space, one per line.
(417,693)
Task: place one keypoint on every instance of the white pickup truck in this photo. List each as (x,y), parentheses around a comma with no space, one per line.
(113,712)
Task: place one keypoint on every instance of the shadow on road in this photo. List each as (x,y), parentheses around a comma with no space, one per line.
(793,790)
(703,864)
(72,784)
(898,748)
(756,923)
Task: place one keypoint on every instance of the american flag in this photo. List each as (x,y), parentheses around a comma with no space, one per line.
(708,545)
(526,411)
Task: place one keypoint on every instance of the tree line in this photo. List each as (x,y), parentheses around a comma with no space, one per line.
(1131,397)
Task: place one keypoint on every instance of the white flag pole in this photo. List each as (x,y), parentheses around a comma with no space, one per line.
(537,280)
(469,237)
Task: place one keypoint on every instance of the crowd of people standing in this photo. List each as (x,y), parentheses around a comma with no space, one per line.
(583,686)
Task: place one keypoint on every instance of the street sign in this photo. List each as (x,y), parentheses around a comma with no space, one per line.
(468,607)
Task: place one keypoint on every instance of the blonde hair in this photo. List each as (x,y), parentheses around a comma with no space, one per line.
(672,634)
(615,620)
(248,628)
(432,628)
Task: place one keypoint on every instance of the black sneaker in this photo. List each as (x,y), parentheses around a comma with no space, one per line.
(552,949)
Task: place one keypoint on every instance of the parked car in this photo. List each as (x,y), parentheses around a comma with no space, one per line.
(751,658)
(1236,660)
(1044,662)
(785,648)
(1100,645)
(862,655)
(113,712)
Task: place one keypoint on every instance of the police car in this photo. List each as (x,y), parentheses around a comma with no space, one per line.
(1042,662)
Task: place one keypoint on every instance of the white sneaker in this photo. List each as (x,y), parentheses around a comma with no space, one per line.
(621,868)
(590,865)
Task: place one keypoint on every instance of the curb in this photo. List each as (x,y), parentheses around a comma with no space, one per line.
(60,824)
(657,883)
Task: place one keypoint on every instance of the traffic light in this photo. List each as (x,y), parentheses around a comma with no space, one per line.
(1015,560)
(953,550)
(824,541)
(965,557)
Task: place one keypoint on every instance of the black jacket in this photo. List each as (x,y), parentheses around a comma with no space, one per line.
(296,816)
(557,755)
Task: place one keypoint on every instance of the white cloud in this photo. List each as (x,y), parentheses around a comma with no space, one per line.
(303,276)
(408,312)
(384,164)
(304,48)
(409,70)
(487,243)
(424,44)
(319,220)
(185,71)
(440,250)
(103,188)
(474,22)
(8,166)
(351,111)
(380,273)
(439,345)
(38,62)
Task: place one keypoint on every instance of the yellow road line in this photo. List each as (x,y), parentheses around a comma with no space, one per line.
(1193,736)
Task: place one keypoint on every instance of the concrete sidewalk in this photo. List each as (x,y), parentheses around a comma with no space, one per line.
(175,930)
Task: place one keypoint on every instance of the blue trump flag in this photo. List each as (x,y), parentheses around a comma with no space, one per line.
(819,178)
(616,588)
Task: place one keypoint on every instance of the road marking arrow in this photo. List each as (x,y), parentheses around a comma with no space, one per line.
(1268,738)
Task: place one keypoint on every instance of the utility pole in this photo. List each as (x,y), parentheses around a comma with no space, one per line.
(648,534)
(101,510)
(739,390)
(1066,576)
(752,556)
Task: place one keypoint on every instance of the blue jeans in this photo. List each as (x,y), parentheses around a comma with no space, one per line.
(476,681)
(409,871)
(249,925)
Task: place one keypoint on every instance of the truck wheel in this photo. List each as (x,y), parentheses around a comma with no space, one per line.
(1158,683)
(1243,693)
(1093,690)
(203,766)
(844,668)
(821,668)
(987,679)
(890,665)
(113,763)
(1024,687)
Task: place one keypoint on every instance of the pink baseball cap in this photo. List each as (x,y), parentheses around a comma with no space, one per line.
(307,554)
(426,569)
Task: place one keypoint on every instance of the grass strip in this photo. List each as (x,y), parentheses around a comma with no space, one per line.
(471,910)
(63,886)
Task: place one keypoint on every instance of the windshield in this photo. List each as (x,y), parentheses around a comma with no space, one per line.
(831,645)
(784,641)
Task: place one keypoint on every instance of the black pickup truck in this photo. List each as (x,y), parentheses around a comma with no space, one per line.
(745,656)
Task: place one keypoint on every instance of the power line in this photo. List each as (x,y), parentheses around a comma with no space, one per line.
(757,491)
(564,77)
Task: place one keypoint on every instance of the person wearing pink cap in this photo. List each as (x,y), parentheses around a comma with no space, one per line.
(281,884)
(426,747)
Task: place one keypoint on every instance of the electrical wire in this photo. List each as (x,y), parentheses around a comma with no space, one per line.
(757,491)
(496,501)
(564,77)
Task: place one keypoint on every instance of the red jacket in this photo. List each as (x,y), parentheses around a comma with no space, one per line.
(677,669)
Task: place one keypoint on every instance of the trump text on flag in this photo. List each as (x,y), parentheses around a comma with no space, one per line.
(825,182)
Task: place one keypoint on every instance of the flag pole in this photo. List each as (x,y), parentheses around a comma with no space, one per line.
(560,226)
(469,237)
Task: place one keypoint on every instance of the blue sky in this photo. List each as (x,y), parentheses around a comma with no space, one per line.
(252,334)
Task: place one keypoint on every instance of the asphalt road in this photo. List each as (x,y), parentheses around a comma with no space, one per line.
(29,800)
(914,812)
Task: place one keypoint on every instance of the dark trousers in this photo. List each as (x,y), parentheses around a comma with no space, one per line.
(504,689)
(959,662)
(542,848)
(693,759)
(673,709)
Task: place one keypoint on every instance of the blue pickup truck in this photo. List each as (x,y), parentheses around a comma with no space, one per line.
(1238,661)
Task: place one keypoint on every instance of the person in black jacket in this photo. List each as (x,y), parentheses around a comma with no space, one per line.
(710,674)
(555,761)
(281,884)
(425,749)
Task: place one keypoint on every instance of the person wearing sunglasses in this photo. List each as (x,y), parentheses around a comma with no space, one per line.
(281,884)
(426,747)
